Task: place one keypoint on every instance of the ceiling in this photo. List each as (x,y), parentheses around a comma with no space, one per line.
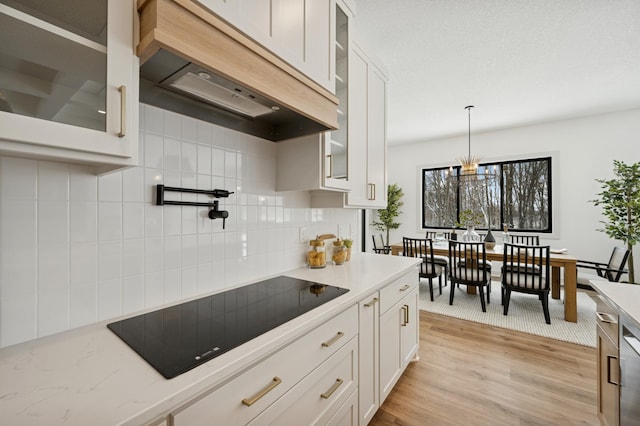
(518,62)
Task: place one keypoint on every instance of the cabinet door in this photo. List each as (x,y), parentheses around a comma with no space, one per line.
(368,343)
(608,377)
(390,349)
(358,83)
(70,77)
(410,328)
(376,139)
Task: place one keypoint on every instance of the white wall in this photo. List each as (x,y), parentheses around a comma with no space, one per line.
(76,248)
(583,149)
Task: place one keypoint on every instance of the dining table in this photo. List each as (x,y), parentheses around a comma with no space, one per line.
(558,262)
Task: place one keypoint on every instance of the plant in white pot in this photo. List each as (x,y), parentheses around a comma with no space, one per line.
(620,201)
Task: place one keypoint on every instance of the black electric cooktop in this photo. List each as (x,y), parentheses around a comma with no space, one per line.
(178,338)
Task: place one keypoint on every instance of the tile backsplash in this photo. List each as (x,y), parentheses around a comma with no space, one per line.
(76,248)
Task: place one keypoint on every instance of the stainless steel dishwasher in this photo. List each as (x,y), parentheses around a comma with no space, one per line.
(629,372)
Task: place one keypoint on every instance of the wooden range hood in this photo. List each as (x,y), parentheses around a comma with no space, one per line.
(176,34)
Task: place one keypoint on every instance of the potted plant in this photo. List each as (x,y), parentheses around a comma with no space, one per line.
(386,217)
(620,201)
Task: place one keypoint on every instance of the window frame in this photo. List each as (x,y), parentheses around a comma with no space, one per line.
(501,176)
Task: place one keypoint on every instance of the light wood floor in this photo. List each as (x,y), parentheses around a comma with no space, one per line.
(475,374)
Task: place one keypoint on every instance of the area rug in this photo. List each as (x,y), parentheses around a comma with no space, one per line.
(525,313)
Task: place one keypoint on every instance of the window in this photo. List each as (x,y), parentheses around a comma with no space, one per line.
(519,196)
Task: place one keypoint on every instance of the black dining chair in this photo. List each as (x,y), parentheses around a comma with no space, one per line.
(379,246)
(611,271)
(527,240)
(525,269)
(468,266)
(429,268)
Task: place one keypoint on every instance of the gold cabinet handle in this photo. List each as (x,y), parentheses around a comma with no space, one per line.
(405,288)
(332,341)
(372,191)
(404,316)
(332,389)
(330,166)
(123,111)
(406,313)
(250,401)
(604,317)
(373,302)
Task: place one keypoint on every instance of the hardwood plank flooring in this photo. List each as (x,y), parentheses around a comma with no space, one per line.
(475,374)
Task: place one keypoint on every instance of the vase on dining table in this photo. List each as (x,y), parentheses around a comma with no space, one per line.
(470,235)
(489,241)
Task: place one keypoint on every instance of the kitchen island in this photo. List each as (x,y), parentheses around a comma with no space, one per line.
(89,376)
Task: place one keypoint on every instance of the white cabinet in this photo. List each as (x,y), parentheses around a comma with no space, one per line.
(289,377)
(297,31)
(69,76)
(367,156)
(399,328)
(320,162)
(369,363)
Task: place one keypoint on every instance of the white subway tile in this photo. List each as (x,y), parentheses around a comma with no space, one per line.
(83,308)
(110,187)
(18,178)
(53,181)
(153,255)
(83,264)
(153,289)
(132,220)
(109,221)
(153,225)
(109,298)
(109,260)
(171,154)
(189,250)
(83,221)
(205,278)
(217,161)
(172,220)
(83,185)
(172,125)
(172,285)
(153,151)
(204,132)
(172,253)
(204,160)
(153,120)
(133,185)
(189,131)
(132,293)
(189,281)
(133,257)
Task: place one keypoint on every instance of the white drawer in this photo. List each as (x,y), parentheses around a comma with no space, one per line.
(319,396)
(272,377)
(392,293)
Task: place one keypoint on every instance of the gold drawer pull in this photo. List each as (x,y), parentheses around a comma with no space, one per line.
(332,389)
(605,317)
(373,302)
(250,401)
(123,111)
(330,158)
(405,288)
(332,341)
(405,315)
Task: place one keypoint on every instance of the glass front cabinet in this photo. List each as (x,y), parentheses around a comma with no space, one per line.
(69,81)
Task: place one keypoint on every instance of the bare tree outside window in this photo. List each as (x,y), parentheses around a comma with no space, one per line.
(520,196)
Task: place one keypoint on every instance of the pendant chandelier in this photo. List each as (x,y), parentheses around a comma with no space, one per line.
(469,164)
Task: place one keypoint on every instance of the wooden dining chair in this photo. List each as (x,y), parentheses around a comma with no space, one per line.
(525,269)
(379,246)
(429,268)
(527,240)
(468,266)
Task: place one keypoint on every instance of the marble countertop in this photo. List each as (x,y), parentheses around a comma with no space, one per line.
(625,296)
(89,376)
